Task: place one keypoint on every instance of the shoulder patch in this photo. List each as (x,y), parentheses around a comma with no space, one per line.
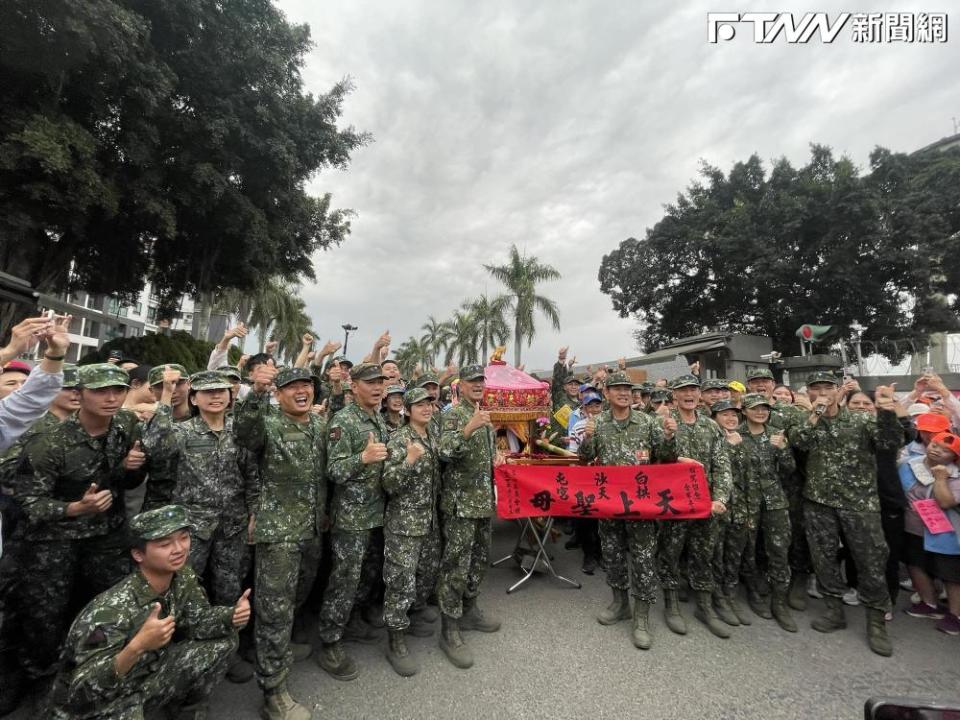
(450,423)
(335,434)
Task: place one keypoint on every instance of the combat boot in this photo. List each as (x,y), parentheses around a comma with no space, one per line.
(300,651)
(474,619)
(373,616)
(671,612)
(427,613)
(357,629)
(641,625)
(617,610)
(336,662)
(780,607)
(723,609)
(197,711)
(742,615)
(877,637)
(239,671)
(418,626)
(759,604)
(833,618)
(399,656)
(452,644)
(278,705)
(705,614)
(798,592)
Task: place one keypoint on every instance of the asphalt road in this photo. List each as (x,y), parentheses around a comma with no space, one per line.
(553,660)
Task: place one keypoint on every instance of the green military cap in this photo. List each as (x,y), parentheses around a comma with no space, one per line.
(156,373)
(415,395)
(342,361)
(684,381)
(618,378)
(394,389)
(70,375)
(637,387)
(571,378)
(647,387)
(159,523)
(752,400)
(287,375)
(210,380)
(366,371)
(230,371)
(426,379)
(823,377)
(101,375)
(715,384)
(759,374)
(659,394)
(721,405)
(472,372)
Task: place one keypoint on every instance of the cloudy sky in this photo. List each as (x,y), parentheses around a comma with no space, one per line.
(563,127)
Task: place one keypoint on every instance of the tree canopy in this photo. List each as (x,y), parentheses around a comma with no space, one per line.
(763,252)
(162,140)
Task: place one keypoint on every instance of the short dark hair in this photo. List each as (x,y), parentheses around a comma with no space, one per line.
(257,359)
(139,374)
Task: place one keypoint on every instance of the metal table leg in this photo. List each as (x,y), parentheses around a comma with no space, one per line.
(541,556)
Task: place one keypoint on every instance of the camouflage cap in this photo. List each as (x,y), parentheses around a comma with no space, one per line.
(571,378)
(287,375)
(752,400)
(684,381)
(823,377)
(618,378)
(637,387)
(156,373)
(426,379)
(159,522)
(715,384)
(721,405)
(394,389)
(659,394)
(759,374)
(230,371)
(415,395)
(70,375)
(342,361)
(472,372)
(101,375)
(647,387)
(366,371)
(210,380)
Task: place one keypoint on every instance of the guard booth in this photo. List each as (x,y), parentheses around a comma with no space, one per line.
(721,355)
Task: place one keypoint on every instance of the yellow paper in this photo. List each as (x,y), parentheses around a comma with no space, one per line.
(562,416)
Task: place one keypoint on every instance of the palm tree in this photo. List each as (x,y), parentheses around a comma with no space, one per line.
(487,314)
(521,275)
(432,338)
(272,308)
(461,339)
(411,354)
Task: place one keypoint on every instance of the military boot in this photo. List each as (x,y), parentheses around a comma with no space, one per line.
(452,644)
(239,671)
(742,615)
(617,610)
(196,711)
(301,651)
(474,619)
(419,627)
(832,618)
(373,616)
(399,656)
(723,609)
(357,629)
(427,613)
(759,604)
(798,592)
(641,625)
(278,705)
(334,659)
(705,614)
(877,636)
(671,612)
(780,607)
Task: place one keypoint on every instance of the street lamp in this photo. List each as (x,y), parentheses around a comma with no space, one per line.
(347,329)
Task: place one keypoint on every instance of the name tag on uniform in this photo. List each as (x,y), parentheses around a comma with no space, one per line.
(293,436)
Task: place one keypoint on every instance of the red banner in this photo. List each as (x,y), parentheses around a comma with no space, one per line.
(676,491)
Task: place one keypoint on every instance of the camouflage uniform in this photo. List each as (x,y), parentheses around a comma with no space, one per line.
(212,474)
(703,441)
(559,397)
(841,495)
(162,471)
(288,502)
(356,513)
(638,439)
(411,547)
(72,559)
(184,671)
(466,506)
(784,417)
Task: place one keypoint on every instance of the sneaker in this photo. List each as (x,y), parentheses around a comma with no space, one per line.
(950,624)
(922,610)
(812,590)
(851,598)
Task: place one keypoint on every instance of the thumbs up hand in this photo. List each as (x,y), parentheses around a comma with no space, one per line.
(241,611)
(373,452)
(414,452)
(155,631)
(135,458)
(479,419)
(93,501)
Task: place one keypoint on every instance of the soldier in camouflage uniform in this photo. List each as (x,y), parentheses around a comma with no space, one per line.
(356,449)
(393,407)
(431,383)
(235,378)
(467,447)
(75,536)
(841,495)
(622,436)
(286,511)
(564,392)
(411,480)
(152,640)
(713,391)
(659,397)
(700,439)
(162,472)
(760,503)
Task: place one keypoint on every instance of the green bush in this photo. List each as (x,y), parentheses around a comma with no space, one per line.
(177,347)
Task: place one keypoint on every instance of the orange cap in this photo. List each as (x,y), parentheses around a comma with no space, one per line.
(932,422)
(949,441)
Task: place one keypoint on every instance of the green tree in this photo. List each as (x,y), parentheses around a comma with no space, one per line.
(274,310)
(487,314)
(460,339)
(432,338)
(157,349)
(413,354)
(521,276)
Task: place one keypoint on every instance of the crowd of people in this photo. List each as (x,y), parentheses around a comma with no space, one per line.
(162,531)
